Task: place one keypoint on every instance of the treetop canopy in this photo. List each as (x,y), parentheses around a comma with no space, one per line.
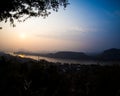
(15,9)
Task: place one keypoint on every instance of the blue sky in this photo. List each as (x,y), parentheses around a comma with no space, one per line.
(102,18)
(85,25)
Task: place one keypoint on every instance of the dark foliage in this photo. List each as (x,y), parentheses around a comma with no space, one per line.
(15,9)
(32,78)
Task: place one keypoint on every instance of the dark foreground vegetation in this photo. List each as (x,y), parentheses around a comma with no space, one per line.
(25,77)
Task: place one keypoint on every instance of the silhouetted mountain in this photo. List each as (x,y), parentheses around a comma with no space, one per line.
(68,55)
(112,51)
(110,54)
(42,78)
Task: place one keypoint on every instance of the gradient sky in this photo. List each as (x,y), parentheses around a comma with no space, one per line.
(85,25)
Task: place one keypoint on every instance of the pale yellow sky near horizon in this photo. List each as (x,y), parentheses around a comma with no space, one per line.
(84,26)
(38,34)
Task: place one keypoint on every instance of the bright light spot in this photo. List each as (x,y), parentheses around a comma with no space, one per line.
(21,55)
(22,35)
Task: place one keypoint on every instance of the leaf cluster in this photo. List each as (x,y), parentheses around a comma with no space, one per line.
(15,9)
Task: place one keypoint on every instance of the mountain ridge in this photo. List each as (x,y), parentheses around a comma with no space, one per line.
(108,55)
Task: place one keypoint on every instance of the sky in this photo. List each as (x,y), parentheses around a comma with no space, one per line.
(85,25)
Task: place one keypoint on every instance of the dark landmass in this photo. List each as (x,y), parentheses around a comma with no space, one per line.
(112,54)
(2,53)
(27,77)
(68,55)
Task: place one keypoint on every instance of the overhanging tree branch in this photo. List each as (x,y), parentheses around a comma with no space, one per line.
(15,9)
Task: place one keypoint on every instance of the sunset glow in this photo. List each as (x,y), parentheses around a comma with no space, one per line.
(85,25)
(21,55)
(23,36)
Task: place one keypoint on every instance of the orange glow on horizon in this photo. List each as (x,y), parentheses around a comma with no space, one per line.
(21,55)
(23,35)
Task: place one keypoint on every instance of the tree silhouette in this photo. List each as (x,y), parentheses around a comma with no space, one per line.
(15,9)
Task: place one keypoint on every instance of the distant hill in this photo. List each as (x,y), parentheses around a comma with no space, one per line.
(68,55)
(112,51)
(110,54)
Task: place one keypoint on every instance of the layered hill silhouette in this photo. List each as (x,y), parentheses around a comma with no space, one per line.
(43,78)
(107,55)
(110,54)
(68,55)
